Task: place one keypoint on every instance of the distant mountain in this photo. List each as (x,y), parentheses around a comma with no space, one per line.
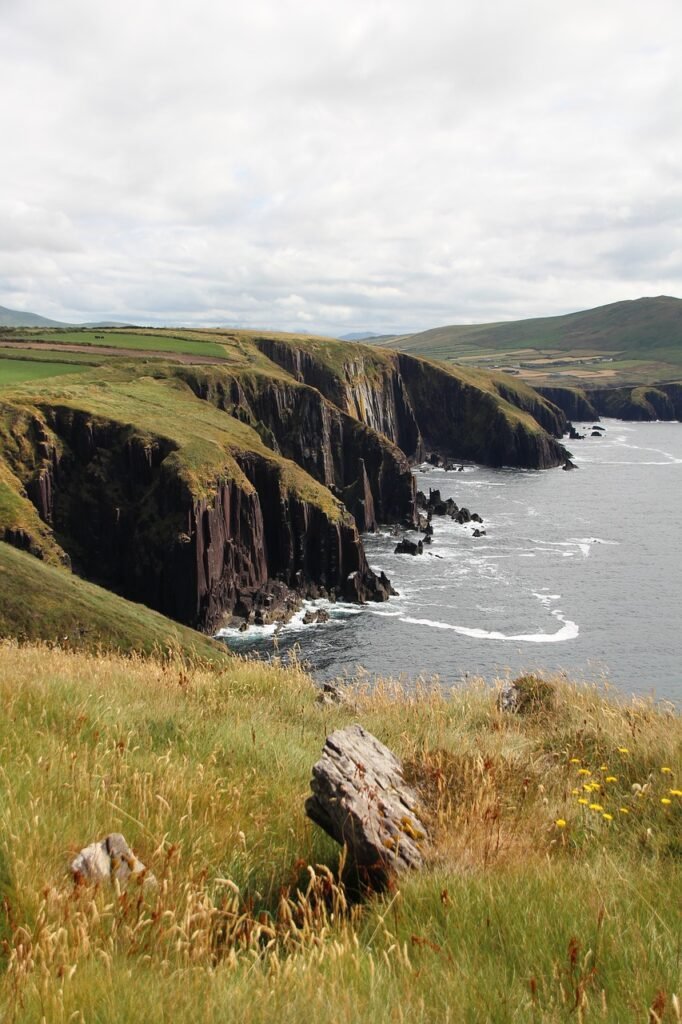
(19,318)
(364,336)
(638,327)
(633,341)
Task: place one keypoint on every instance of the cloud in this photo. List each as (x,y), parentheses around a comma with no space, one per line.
(389,165)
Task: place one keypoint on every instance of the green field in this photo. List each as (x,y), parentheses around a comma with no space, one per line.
(16,371)
(156,342)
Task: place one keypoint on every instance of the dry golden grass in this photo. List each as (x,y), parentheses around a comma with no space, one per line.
(532,907)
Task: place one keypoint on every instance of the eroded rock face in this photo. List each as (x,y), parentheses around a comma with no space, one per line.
(110,859)
(360,798)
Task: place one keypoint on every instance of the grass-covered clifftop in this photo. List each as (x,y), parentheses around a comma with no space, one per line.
(550,892)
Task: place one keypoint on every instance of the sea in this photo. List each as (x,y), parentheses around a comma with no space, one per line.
(578,572)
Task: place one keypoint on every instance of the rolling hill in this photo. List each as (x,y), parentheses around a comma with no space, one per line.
(633,341)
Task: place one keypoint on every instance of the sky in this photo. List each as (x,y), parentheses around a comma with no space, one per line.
(337,167)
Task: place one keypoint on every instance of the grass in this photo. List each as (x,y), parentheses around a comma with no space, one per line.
(532,907)
(46,602)
(156,341)
(15,371)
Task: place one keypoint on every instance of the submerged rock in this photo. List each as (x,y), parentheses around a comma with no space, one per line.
(409,547)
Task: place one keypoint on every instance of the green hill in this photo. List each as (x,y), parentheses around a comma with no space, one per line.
(621,342)
(46,602)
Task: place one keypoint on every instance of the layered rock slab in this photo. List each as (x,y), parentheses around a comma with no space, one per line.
(361,799)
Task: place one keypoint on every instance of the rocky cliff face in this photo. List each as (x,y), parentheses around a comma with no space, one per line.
(632,402)
(644,402)
(421,406)
(573,402)
(129,520)
(365,469)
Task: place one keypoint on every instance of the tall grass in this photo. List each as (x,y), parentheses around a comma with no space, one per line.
(534,906)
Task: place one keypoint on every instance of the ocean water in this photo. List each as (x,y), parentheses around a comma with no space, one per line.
(578,572)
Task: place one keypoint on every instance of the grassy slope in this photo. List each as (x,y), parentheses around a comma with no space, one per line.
(643,332)
(45,602)
(15,371)
(514,919)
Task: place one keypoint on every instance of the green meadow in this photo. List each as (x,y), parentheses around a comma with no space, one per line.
(16,371)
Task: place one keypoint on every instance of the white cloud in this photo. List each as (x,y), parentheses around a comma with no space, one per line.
(389,165)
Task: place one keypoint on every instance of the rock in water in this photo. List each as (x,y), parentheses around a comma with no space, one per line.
(110,858)
(360,798)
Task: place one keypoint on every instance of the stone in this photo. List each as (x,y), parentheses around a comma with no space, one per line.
(333,693)
(360,798)
(107,860)
(409,547)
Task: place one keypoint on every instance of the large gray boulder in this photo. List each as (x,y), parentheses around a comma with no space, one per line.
(360,798)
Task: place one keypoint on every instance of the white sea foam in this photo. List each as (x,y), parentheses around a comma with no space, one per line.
(569,631)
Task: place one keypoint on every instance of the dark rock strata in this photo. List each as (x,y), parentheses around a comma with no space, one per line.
(129,520)
(420,407)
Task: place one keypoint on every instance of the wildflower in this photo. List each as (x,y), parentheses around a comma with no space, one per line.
(560,823)
(666,770)
(584,771)
(607,816)
(582,800)
(612,778)
(575,792)
(623,810)
(676,792)
(623,750)
(666,800)
(574,760)
(603,767)
(596,807)
(587,786)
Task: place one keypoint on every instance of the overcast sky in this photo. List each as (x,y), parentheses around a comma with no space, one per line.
(361,164)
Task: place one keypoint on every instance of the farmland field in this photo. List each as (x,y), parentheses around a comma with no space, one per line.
(157,342)
(15,371)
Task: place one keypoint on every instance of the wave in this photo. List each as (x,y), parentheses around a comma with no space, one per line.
(569,631)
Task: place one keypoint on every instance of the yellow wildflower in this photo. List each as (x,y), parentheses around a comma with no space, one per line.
(596,807)
(574,760)
(666,800)
(676,792)
(623,810)
(584,771)
(623,750)
(612,778)
(666,770)
(607,817)
(582,800)
(574,792)
(603,767)
(560,823)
